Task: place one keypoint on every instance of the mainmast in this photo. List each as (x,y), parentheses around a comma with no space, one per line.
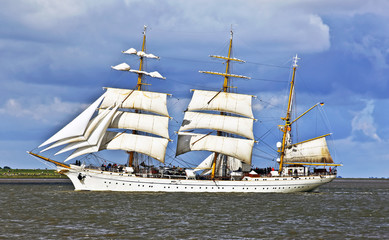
(226,87)
(286,128)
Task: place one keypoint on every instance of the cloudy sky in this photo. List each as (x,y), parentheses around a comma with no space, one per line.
(56,57)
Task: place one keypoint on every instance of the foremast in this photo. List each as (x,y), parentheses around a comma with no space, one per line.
(139,86)
(114,119)
(140,83)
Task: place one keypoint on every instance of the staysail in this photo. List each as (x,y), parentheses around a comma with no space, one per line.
(77,126)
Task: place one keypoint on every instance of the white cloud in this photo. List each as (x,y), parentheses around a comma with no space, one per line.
(363,121)
(41,14)
(359,159)
(269,100)
(50,112)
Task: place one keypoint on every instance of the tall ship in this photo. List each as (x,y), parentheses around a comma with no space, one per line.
(136,121)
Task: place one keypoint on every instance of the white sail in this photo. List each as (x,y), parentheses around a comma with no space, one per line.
(235,125)
(77,126)
(91,127)
(154,124)
(82,151)
(140,53)
(134,99)
(122,67)
(95,137)
(147,55)
(313,151)
(234,147)
(221,101)
(154,74)
(130,51)
(205,164)
(154,147)
(234,164)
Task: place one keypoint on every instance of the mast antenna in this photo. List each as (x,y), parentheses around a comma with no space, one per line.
(295,59)
(144,29)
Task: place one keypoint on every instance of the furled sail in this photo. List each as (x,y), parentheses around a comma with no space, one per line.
(134,99)
(140,53)
(221,101)
(234,147)
(310,151)
(122,67)
(235,125)
(77,126)
(154,74)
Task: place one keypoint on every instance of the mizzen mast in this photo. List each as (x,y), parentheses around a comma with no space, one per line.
(286,128)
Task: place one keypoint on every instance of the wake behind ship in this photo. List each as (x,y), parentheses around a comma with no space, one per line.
(221,122)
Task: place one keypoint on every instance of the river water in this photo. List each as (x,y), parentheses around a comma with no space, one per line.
(343,209)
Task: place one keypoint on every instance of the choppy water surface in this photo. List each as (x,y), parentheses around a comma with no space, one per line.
(343,209)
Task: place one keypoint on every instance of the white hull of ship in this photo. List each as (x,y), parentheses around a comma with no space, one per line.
(95,180)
